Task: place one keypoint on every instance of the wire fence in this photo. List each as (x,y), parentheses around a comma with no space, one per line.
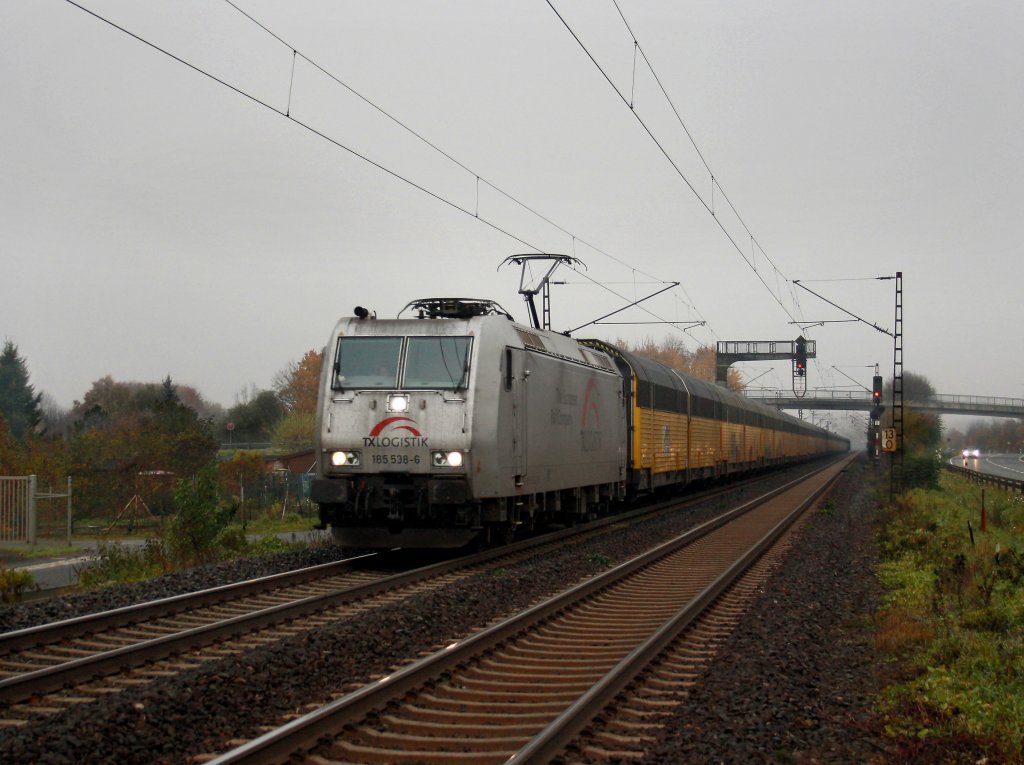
(29,511)
(276,493)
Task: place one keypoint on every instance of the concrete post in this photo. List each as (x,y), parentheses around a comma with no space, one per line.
(69,511)
(31,509)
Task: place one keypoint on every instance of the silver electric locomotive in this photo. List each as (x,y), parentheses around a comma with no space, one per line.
(458,424)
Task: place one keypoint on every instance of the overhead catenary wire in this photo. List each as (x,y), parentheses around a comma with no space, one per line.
(288,114)
(659,144)
(479,179)
(291,117)
(464,167)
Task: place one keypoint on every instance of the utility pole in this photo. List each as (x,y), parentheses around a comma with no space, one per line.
(896,465)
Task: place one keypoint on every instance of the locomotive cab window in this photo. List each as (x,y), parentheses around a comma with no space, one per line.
(434,363)
(367,362)
(437,362)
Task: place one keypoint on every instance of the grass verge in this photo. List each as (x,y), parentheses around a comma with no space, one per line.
(954,617)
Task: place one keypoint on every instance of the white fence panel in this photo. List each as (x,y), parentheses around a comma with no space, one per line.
(18,509)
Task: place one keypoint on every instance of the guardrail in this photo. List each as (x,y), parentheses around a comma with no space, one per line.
(1010,484)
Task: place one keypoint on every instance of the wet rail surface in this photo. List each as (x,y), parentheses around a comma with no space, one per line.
(53,665)
(523,689)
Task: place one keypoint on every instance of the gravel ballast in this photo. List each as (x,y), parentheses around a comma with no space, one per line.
(190,580)
(793,684)
(795,681)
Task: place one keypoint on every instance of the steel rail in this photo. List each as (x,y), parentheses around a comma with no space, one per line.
(303,733)
(561,732)
(53,678)
(58,676)
(53,632)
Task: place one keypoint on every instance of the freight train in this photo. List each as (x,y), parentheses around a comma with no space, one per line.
(457,425)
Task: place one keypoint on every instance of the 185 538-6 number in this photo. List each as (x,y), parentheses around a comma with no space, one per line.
(395,459)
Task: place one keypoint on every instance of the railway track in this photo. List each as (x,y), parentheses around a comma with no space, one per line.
(525,688)
(46,658)
(45,668)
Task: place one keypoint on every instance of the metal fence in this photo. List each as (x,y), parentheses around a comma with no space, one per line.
(18,509)
(278,492)
(976,476)
(26,512)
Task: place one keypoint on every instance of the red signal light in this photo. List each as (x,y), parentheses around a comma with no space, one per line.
(800,356)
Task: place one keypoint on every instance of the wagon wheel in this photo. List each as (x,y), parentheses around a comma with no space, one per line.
(503,533)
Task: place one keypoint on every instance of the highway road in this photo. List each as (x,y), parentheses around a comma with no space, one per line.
(1005,465)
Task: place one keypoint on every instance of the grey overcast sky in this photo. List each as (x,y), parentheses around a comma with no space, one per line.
(155,222)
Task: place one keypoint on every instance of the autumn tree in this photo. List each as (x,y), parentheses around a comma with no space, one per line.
(57,420)
(243,468)
(922,432)
(10,454)
(1003,435)
(703,363)
(19,403)
(24,448)
(127,430)
(255,414)
(297,387)
(194,400)
(673,353)
(294,433)
(298,384)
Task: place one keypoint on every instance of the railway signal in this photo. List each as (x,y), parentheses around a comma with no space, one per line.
(876,390)
(801,356)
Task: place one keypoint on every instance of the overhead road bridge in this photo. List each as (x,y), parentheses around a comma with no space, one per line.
(940,403)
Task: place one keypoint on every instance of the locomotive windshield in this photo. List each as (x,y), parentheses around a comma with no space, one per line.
(440,362)
(437,362)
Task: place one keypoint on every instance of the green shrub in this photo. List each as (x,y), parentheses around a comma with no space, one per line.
(115,563)
(921,471)
(268,545)
(231,542)
(192,531)
(13,583)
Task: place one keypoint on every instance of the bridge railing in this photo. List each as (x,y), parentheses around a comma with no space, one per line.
(993,406)
(1010,484)
(976,401)
(814,394)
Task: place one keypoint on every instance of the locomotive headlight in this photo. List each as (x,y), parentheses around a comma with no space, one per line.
(447,459)
(398,402)
(341,459)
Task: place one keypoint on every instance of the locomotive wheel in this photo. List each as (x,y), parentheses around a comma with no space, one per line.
(503,533)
